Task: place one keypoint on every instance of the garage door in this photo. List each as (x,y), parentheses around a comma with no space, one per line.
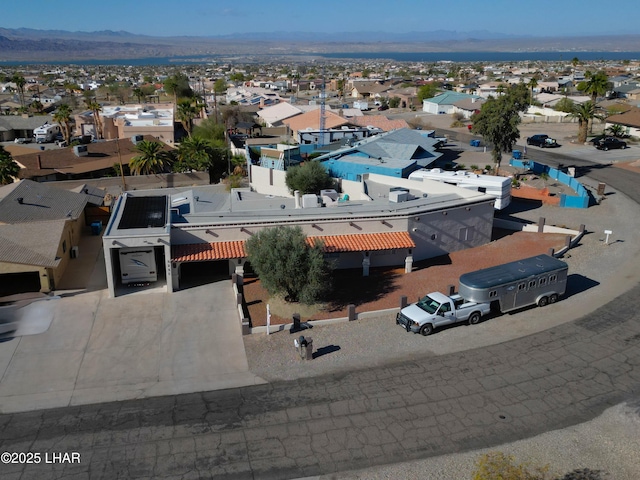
(12,283)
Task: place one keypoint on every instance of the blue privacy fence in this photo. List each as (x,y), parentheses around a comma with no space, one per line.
(581,200)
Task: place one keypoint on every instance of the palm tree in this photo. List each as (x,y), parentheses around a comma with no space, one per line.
(186,113)
(585,113)
(9,169)
(95,108)
(63,118)
(596,84)
(193,154)
(151,158)
(533,83)
(20,82)
(616,130)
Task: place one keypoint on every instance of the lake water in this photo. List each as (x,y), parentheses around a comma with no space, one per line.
(427,57)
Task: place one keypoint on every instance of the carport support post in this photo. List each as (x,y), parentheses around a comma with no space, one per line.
(541,222)
(108,263)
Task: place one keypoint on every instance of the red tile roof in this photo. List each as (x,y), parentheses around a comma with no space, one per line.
(365,242)
(198,252)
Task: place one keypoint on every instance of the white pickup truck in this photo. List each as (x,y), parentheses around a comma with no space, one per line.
(436,309)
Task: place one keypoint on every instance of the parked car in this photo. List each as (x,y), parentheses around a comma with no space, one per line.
(383,107)
(22,140)
(542,141)
(608,143)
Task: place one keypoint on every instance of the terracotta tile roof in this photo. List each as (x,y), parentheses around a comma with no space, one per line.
(380,121)
(365,242)
(312,120)
(197,252)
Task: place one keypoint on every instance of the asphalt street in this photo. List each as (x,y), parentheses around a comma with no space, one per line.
(411,410)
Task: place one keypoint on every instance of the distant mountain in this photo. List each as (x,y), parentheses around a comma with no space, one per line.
(31,45)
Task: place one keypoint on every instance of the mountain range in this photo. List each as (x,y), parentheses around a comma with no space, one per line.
(32,45)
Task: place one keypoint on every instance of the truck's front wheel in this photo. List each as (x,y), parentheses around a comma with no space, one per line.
(474,318)
(427,329)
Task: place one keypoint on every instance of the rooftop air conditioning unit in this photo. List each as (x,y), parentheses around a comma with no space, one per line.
(137,139)
(310,200)
(80,150)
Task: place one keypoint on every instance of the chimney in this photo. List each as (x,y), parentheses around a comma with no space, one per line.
(39,162)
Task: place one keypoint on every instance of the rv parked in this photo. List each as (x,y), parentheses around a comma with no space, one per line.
(46,133)
(538,280)
(137,265)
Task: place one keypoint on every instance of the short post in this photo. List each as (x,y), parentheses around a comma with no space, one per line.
(607,233)
(403,301)
(582,228)
(451,289)
(268,319)
(351,309)
(541,222)
(601,188)
(296,322)
(567,241)
(238,299)
(550,252)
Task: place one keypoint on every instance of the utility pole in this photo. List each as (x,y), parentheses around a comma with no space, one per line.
(124,184)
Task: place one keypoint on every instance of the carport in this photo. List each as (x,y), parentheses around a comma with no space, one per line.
(200,263)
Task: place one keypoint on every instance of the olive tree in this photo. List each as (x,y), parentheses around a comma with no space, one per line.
(288,265)
(310,177)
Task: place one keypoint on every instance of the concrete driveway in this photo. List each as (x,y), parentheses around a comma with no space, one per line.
(140,345)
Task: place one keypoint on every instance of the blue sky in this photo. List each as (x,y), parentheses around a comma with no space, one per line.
(215,17)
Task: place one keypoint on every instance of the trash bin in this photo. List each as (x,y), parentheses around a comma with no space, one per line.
(96,228)
(517,154)
(474,143)
(309,349)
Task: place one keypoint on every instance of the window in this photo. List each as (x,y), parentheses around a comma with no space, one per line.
(532,284)
(493,293)
(553,278)
(543,281)
(520,287)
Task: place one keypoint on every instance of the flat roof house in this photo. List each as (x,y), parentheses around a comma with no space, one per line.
(377,221)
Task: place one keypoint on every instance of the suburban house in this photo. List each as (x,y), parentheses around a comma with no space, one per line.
(468,106)
(366,89)
(82,161)
(311,121)
(379,121)
(126,121)
(395,154)
(444,103)
(275,115)
(20,126)
(376,221)
(40,227)
(630,120)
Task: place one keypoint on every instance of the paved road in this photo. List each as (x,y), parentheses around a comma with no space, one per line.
(416,409)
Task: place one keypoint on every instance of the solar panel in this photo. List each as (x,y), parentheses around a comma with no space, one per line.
(144,212)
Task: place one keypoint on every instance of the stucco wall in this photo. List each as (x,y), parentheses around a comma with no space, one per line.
(262,181)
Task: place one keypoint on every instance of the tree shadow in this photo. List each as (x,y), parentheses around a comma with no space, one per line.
(350,287)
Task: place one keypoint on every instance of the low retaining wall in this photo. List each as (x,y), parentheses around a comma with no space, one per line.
(581,200)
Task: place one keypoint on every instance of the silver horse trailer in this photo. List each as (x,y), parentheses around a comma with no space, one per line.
(537,280)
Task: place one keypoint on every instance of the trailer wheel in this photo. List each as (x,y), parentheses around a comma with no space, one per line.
(553,298)
(474,318)
(543,302)
(427,329)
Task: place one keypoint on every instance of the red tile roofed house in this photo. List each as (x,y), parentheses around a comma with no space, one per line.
(630,120)
(311,120)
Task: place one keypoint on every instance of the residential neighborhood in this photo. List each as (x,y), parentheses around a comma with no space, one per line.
(134,220)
